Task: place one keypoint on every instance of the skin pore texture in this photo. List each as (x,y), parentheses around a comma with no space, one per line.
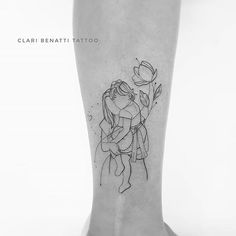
(125,78)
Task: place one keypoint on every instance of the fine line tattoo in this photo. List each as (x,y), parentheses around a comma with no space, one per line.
(124,137)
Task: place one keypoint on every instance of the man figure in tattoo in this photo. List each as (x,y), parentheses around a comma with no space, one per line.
(125,80)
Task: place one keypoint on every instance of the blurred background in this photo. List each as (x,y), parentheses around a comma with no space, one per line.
(45,169)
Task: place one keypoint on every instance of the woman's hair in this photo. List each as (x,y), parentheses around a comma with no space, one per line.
(117,87)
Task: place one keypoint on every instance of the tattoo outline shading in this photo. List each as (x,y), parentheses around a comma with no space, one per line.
(123,132)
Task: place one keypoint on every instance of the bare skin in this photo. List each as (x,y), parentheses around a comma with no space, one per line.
(126,104)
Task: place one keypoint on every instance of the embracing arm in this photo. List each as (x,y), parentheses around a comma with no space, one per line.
(112,107)
(124,131)
(108,146)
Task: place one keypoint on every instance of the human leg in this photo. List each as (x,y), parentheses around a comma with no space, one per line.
(125,174)
(119,165)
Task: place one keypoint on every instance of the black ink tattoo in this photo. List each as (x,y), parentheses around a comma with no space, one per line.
(124,136)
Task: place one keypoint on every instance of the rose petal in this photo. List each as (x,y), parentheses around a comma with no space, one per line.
(141,83)
(136,72)
(136,78)
(154,75)
(138,81)
(148,65)
(145,73)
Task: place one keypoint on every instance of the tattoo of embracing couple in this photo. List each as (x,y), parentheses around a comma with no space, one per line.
(124,137)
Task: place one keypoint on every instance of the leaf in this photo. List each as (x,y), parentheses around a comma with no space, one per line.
(144,98)
(157,92)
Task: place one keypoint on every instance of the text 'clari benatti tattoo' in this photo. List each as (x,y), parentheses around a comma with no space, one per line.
(124,137)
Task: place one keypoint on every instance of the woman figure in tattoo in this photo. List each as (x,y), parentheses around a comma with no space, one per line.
(124,134)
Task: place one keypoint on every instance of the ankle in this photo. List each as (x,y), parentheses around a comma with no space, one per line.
(125,216)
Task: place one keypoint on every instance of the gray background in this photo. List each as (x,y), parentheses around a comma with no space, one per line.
(45,170)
